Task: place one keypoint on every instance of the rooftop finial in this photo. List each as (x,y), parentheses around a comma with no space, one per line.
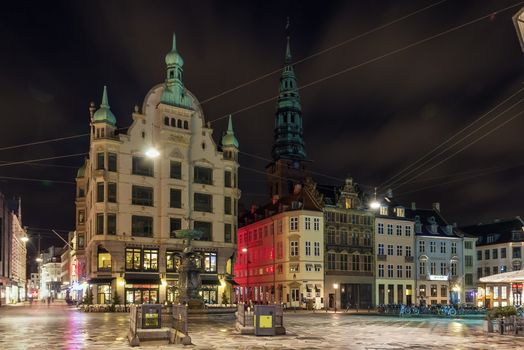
(288,34)
(105,101)
(174,43)
(230,125)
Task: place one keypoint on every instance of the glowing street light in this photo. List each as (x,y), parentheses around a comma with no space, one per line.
(38,259)
(152,153)
(25,239)
(335,286)
(374,203)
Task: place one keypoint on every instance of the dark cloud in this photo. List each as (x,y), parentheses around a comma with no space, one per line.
(371,122)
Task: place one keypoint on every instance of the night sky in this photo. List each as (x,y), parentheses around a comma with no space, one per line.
(370,123)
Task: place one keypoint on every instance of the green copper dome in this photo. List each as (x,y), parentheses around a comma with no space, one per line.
(104,114)
(174,93)
(229,138)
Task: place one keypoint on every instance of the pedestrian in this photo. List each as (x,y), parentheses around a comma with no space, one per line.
(348,305)
(48,301)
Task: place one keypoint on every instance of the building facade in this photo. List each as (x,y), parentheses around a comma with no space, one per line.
(395,256)
(439,258)
(499,249)
(143,184)
(280,253)
(349,258)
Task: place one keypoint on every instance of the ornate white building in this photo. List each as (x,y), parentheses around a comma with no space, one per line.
(142,184)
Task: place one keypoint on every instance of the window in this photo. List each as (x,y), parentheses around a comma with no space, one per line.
(227,178)
(111,161)
(422,246)
(380,249)
(380,228)
(316,224)
(308,248)
(142,226)
(399,250)
(468,245)
(142,195)
(367,239)
(495,253)
(486,254)
(422,290)
(479,255)
(104,293)
(356,262)
(293,251)
(111,192)
(175,169)
(343,262)
(293,224)
(486,271)
(99,192)
(443,291)
(453,248)
(175,198)
(380,270)
(210,262)
(309,267)
(203,175)
(495,270)
(367,262)
(100,159)
(408,250)
(390,271)
(517,265)
(390,229)
(318,267)
(142,166)
(434,290)
(399,230)
(503,268)
(203,202)
(383,210)
(442,247)
(516,253)
(468,279)
(227,205)
(307,223)
(432,247)
(317,248)
(468,261)
(279,250)
(133,259)
(479,272)
(99,224)
(408,231)
(175,224)
(172,261)
(206,228)
(408,271)
(433,268)
(443,269)
(390,249)
(453,268)
(399,271)
(111,224)
(150,260)
(227,233)
(104,260)
(503,253)
(331,261)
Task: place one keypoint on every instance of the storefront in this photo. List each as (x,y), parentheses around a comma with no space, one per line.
(142,288)
(209,289)
(500,290)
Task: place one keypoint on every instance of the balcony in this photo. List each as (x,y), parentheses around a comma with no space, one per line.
(409,259)
(382,257)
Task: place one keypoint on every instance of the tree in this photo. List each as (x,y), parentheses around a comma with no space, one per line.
(88,298)
(225,299)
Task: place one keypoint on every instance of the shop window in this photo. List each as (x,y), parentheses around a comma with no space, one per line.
(104,260)
(142,226)
(150,259)
(210,262)
(133,256)
(172,261)
(104,294)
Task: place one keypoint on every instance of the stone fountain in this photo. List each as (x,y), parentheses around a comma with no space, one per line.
(189,281)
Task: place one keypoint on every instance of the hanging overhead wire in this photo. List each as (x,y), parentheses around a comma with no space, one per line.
(404,172)
(10,178)
(42,159)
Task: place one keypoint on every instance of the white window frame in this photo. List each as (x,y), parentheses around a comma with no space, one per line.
(293,223)
(293,248)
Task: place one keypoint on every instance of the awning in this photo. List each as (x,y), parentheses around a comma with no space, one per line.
(101,280)
(142,278)
(210,279)
(507,277)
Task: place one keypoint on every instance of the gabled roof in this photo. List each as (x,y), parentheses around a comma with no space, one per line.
(429,222)
(498,232)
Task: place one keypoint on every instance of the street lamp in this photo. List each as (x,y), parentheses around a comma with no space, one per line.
(375,203)
(24,239)
(244,250)
(335,286)
(152,152)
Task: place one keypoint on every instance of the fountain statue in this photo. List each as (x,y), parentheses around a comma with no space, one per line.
(189,281)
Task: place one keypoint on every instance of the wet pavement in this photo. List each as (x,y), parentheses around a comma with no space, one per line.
(60,327)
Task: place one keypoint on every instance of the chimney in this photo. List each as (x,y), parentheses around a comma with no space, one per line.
(274,199)
(389,193)
(436,206)
(413,206)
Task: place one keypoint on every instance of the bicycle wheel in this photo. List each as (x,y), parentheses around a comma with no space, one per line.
(452,312)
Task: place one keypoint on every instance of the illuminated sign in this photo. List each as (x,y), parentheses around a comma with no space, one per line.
(438,278)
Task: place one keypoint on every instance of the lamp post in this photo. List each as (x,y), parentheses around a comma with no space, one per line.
(335,286)
(244,250)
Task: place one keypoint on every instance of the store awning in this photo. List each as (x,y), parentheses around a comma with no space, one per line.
(210,279)
(142,278)
(507,277)
(100,280)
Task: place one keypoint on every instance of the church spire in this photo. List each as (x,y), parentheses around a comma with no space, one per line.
(289,142)
(104,114)
(174,92)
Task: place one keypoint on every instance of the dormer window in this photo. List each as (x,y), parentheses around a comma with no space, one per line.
(383,210)
(400,212)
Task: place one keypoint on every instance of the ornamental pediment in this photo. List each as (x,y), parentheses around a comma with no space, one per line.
(178,139)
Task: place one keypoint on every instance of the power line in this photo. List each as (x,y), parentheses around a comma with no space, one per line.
(390,181)
(372,60)
(461,149)
(347,41)
(43,141)
(35,180)
(44,165)
(41,159)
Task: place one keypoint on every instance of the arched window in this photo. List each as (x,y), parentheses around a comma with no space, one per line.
(186,125)
(166,121)
(171,74)
(173,122)
(179,123)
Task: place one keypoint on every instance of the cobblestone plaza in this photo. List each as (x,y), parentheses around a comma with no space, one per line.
(60,327)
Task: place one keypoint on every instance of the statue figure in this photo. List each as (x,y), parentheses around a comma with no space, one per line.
(189,281)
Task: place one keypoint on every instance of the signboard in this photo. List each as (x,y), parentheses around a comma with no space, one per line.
(438,277)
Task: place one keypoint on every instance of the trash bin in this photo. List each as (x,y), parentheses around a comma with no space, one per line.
(264,320)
